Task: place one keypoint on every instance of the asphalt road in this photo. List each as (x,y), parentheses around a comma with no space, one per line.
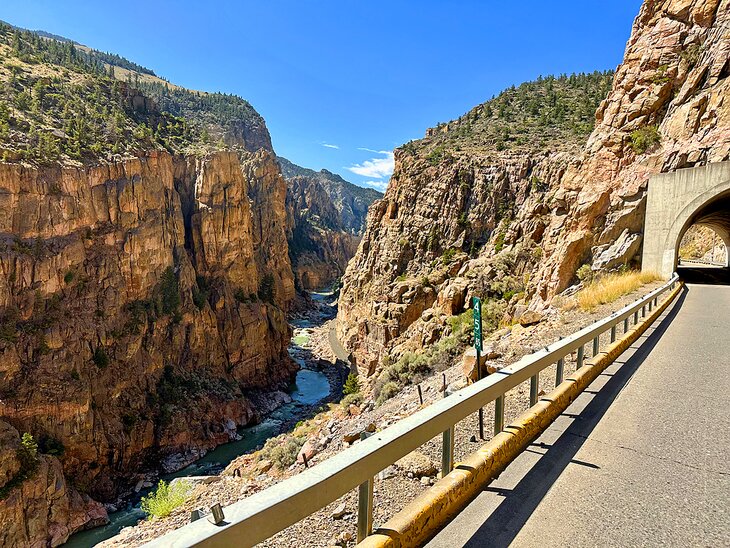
(640,459)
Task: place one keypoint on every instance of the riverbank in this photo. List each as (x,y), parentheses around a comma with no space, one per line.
(337,428)
(318,382)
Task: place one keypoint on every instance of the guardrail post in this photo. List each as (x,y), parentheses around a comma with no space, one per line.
(447,448)
(499,414)
(626,326)
(613,334)
(534,382)
(636,317)
(559,370)
(581,352)
(596,345)
(643,311)
(365,505)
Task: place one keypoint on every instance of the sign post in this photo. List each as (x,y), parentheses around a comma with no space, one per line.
(477,306)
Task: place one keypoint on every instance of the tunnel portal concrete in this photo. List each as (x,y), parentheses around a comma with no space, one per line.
(678,200)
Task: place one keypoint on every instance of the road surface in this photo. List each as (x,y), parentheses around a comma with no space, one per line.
(640,459)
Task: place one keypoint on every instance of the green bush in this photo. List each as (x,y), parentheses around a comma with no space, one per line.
(161,502)
(169,292)
(389,389)
(27,454)
(100,357)
(585,274)
(68,277)
(267,289)
(352,385)
(282,450)
(352,399)
(644,138)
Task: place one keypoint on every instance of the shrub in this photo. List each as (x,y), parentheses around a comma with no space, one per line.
(352,399)
(169,291)
(644,138)
(283,452)
(68,277)
(585,273)
(27,454)
(240,296)
(389,389)
(499,241)
(100,357)
(448,255)
(161,502)
(267,289)
(352,385)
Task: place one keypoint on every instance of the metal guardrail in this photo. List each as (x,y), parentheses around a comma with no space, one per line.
(264,514)
(700,262)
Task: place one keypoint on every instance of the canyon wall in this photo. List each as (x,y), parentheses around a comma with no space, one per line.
(326,218)
(144,300)
(508,201)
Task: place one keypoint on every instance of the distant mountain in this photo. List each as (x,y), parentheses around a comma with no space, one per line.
(350,201)
(326,219)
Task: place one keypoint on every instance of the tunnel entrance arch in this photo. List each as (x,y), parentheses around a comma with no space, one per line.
(678,200)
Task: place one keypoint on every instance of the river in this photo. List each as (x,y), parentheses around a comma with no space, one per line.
(310,387)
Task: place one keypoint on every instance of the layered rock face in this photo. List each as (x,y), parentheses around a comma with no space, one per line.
(44,506)
(674,78)
(326,218)
(462,218)
(142,301)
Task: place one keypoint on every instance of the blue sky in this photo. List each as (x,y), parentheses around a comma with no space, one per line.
(342,83)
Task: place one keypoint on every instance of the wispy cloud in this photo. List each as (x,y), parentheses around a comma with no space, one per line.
(327,145)
(377,185)
(375,168)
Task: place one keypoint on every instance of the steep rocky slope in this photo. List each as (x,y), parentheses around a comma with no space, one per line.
(326,220)
(511,199)
(44,506)
(144,276)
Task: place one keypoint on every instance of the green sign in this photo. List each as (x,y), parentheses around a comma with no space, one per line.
(477,323)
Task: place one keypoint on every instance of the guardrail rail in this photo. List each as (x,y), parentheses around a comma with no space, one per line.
(258,517)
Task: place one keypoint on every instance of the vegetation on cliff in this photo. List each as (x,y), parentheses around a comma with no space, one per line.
(552,112)
(62,101)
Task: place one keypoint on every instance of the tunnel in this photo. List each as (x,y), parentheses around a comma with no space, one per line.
(716,216)
(677,201)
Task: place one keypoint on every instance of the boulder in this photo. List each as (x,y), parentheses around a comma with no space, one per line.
(469,360)
(417,465)
(308,450)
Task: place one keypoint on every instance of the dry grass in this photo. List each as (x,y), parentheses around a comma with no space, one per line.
(607,289)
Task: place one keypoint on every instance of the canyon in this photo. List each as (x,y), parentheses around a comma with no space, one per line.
(149,266)
(145,280)
(326,221)
(510,200)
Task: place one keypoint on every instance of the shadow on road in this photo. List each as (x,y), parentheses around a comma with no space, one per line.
(502,526)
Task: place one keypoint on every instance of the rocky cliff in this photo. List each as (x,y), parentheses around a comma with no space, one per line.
(37,506)
(510,199)
(144,278)
(326,220)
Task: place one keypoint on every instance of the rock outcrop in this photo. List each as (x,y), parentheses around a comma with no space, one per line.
(326,220)
(42,510)
(508,201)
(141,301)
